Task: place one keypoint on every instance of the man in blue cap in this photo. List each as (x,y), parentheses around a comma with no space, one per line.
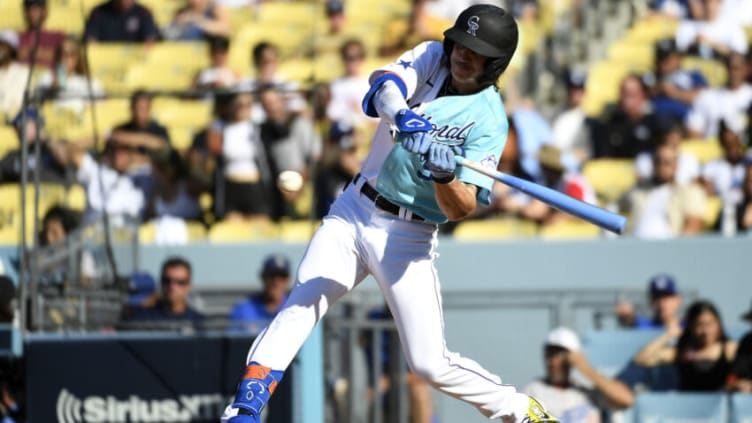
(258,309)
(665,302)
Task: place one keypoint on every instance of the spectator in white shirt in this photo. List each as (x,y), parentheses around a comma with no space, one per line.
(219,74)
(13,76)
(244,190)
(665,208)
(68,80)
(570,133)
(575,389)
(724,177)
(738,11)
(714,104)
(711,36)
(347,92)
(688,167)
(108,186)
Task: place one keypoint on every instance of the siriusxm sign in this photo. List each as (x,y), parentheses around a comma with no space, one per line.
(109,409)
(139,379)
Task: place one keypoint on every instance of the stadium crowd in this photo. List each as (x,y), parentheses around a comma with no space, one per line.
(271,131)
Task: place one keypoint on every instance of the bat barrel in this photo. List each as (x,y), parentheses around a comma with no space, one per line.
(593,214)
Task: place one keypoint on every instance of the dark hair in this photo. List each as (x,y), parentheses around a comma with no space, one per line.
(217,43)
(138,95)
(686,340)
(65,216)
(639,78)
(176,261)
(58,54)
(259,49)
(724,126)
(350,43)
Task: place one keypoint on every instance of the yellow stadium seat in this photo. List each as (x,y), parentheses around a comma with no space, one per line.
(704,150)
(8,140)
(638,55)
(240,16)
(109,61)
(569,228)
(610,178)
(712,210)
(146,233)
(297,230)
(75,197)
(110,113)
(713,70)
(195,114)
(236,231)
(10,207)
(196,231)
(163,10)
(194,55)
(304,202)
(158,77)
(66,19)
(181,137)
(602,86)
(301,13)
(495,228)
(288,36)
(652,29)
(12,15)
(299,70)
(10,235)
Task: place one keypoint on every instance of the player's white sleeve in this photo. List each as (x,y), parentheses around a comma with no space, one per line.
(415,66)
(388,101)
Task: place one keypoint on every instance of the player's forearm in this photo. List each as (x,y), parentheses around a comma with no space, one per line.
(388,101)
(455,199)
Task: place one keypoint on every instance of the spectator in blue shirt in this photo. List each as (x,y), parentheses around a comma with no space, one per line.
(673,88)
(171,310)
(121,21)
(665,304)
(259,308)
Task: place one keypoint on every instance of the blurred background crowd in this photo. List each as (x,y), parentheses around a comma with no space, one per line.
(233,120)
(240,120)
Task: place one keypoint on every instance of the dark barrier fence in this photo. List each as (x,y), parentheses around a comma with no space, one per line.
(139,378)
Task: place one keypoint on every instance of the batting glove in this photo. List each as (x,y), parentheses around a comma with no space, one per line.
(408,121)
(440,161)
(416,142)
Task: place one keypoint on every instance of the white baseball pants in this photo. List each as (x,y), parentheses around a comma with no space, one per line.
(356,239)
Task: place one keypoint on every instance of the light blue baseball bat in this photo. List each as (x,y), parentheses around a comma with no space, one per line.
(593,214)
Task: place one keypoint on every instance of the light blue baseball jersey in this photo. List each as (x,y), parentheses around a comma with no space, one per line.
(476,122)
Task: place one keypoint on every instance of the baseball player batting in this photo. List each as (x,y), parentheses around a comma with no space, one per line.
(436,101)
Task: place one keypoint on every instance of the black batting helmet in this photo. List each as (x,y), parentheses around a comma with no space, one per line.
(487,30)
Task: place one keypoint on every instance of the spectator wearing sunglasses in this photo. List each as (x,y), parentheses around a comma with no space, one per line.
(169,310)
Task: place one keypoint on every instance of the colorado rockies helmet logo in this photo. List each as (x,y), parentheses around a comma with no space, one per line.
(472,25)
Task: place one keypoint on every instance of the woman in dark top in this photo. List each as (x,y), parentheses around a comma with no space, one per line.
(703,353)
